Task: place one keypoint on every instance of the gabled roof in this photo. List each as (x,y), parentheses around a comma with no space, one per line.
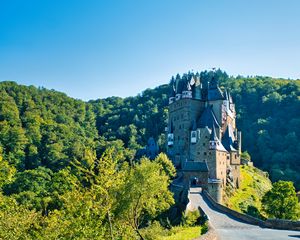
(207,119)
(195,166)
(228,139)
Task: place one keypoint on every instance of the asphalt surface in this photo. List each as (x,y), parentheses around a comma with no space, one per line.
(230,228)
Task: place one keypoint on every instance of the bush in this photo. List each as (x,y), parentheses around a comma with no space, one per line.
(191,218)
(154,231)
(204,228)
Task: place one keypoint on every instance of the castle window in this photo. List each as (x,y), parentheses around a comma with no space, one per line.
(205,153)
(198,153)
(203,144)
(228,157)
(235,156)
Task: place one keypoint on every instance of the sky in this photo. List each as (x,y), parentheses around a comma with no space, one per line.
(95,49)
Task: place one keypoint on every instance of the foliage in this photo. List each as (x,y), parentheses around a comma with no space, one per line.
(166,164)
(186,233)
(190,218)
(267,114)
(145,194)
(67,167)
(281,201)
(246,156)
(247,199)
(17,222)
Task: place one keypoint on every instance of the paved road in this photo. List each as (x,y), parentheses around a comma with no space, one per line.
(230,228)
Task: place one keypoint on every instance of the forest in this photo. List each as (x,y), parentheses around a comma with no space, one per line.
(68,167)
(267,114)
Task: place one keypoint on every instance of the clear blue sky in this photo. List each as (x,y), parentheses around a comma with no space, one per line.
(94,49)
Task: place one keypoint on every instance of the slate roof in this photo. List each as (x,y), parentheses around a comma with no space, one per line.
(195,166)
(207,119)
(214,137)
(215,94)
(228,139)
(194,126)
(213,91)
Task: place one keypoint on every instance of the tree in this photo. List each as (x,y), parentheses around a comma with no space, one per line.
(144,195)
(16,222)
(166,165)
(281,201)
(246,156)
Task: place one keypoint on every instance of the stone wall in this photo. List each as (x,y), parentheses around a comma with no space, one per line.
(282,224)
(270,223)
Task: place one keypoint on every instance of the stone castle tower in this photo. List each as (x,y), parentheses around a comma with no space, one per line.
(202,139)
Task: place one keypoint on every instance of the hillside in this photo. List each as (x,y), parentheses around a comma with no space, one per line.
(247,199)
(67,163)
(267,114)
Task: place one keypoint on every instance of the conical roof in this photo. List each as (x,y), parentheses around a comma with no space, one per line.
(228,139)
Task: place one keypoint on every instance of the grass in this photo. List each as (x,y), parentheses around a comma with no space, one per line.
(254,184)
(183,233)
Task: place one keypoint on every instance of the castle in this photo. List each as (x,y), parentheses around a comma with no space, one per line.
(202,138)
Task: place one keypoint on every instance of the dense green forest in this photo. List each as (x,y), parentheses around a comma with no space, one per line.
(68,167)
(267,114)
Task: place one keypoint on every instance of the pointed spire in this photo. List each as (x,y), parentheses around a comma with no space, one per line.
(213,136)
(226,95)
(229,97)
(229,139)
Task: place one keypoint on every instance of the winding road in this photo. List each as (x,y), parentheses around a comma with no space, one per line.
(230,228)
